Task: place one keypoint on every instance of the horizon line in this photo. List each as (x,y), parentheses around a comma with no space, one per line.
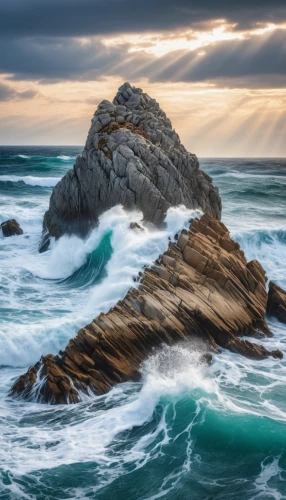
(77,146)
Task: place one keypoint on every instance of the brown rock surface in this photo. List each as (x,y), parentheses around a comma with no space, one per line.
(202,287)
(276,304)
(11,227)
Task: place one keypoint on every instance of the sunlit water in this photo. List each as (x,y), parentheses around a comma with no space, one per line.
(187,431)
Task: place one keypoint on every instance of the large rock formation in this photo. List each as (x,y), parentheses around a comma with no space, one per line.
(132,157)
(276,304)
(202,288)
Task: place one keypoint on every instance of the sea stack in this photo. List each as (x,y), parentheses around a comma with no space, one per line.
(132,157)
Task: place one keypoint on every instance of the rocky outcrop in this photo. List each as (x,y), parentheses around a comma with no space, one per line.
(276,304)
(11,227)
(132,157)
(201,288)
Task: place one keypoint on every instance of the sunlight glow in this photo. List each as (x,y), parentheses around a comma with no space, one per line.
(161,44)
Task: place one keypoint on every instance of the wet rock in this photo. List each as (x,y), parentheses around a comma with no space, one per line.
(202,288)
(206,358)
(11,227)
(277,354)
(276,304)
(132,157)
(136,226)
(251,350)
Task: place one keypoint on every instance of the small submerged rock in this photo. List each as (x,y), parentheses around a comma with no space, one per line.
(11,227)
(251,350)
(206,358)
(136,226)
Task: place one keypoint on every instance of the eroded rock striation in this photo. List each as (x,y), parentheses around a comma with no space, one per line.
(276,304)
(132,157)
(201,288)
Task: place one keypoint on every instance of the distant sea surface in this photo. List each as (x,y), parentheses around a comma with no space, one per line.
(185,432)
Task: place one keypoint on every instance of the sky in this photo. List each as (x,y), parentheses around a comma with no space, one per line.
(217,68)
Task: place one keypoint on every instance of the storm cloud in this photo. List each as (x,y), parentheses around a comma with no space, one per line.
(217,65)
(93,17)
(237,62)
(227,60)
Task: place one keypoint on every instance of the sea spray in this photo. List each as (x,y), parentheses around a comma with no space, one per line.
(133,405)
(64,308)
(180,413)
(268,247)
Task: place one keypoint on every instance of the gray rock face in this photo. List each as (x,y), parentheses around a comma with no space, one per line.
(132,157)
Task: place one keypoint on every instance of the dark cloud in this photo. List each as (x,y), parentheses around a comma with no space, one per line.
(27,94)
(7,93)
(255,62)
(63,59)
(92,17)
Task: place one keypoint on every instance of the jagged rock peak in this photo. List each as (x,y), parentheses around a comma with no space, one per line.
(132,157)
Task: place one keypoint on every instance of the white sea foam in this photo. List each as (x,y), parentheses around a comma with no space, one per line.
(84,432)
(54,312)
(65,158)
(243,175)
(167,374)
(23,156)
(31,180)
(268,247)
(269,469)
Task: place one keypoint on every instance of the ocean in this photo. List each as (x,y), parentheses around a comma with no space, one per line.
(186,431)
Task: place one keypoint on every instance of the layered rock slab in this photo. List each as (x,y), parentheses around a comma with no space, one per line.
(201,288)
(132,157)
(276,304)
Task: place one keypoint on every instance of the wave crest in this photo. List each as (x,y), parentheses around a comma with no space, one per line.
(30,180)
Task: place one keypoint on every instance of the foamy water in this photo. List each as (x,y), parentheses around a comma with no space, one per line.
(59,308)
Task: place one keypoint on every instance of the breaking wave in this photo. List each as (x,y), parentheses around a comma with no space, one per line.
(89,276)
(31,180)
(65,158)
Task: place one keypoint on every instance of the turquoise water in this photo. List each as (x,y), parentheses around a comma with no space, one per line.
(187,431)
